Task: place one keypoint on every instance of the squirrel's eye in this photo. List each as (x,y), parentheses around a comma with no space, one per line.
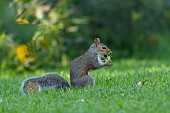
(103,47)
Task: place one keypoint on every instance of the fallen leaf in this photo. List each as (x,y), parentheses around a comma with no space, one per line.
(141,83)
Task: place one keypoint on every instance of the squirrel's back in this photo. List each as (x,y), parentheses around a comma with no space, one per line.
(47,81)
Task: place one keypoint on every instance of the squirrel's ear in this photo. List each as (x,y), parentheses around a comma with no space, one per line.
(96,42)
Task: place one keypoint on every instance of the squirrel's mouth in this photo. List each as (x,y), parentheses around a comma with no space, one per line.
(102,58)
(105,56)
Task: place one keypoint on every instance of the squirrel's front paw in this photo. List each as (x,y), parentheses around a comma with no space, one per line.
(108,64)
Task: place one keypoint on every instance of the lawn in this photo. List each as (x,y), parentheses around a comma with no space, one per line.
(115,91)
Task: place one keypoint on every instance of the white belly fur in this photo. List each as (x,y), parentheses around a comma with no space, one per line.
(100,61)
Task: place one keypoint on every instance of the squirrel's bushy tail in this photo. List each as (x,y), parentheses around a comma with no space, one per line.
(28,86)
(47,81)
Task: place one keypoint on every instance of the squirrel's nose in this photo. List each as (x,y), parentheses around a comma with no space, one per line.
(110,53)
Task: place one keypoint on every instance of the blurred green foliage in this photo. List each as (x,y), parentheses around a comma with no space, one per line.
(60,30)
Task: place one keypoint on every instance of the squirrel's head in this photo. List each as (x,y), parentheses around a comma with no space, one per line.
(101,48)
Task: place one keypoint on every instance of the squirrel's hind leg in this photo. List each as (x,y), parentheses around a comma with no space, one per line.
(83,82)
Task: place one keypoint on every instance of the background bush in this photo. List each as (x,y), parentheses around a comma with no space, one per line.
(56,31)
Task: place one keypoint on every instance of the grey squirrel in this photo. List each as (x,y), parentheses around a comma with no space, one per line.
(80,70)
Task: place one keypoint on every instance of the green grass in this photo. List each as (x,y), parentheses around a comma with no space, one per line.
(114,92)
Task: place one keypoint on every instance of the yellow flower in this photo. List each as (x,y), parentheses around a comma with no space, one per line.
(24,55)
(22,21)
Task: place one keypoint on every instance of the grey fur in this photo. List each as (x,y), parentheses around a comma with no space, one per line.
(80,68)
(47,81)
